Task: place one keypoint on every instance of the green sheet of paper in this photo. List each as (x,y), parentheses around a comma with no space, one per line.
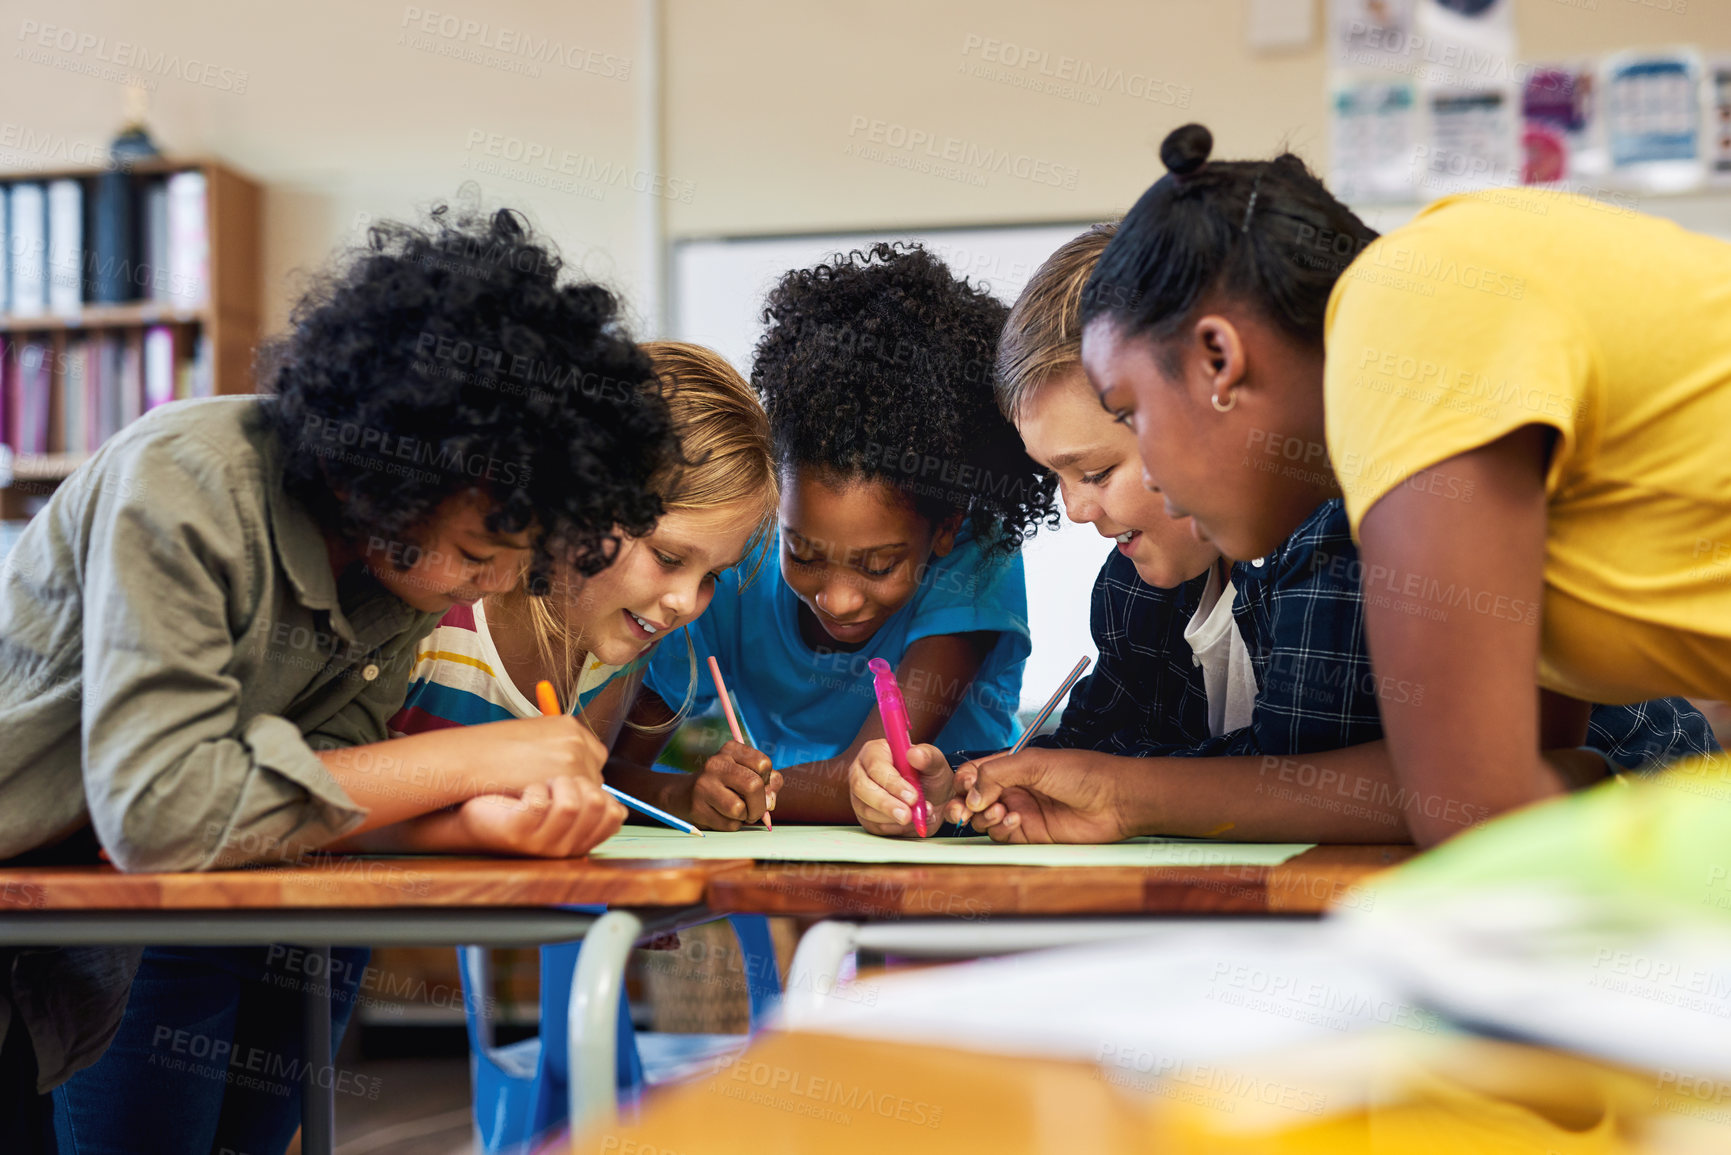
(851,844)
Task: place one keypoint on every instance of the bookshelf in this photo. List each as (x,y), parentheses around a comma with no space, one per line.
(210,317)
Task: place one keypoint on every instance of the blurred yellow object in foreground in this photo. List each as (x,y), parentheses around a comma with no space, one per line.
(1398,1093)
(1389,1093)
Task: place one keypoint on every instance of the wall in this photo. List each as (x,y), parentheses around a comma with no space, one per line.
(343,109)
(769,101)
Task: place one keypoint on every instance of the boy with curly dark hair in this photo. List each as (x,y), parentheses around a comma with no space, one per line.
(906,497)
(210,623)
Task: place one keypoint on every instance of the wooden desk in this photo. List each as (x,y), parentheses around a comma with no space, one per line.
(1306,884)
(366,901)
(350,882)
(939,912)
(438,901)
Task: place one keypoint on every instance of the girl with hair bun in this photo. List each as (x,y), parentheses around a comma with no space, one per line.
(1227,694)
(1536,479)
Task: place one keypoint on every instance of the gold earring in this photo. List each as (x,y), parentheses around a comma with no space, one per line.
(1226,408)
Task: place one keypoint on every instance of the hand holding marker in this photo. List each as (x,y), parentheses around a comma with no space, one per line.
(894,713)
(733,721)
(548,699)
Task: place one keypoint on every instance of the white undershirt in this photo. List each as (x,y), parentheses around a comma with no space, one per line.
(1216,645)
(595,673)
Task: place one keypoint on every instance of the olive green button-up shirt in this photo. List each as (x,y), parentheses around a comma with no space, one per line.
(174,647)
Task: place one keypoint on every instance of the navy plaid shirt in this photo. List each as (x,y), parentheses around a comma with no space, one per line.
(1301,613)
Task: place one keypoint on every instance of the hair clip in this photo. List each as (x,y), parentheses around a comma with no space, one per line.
(1255,189)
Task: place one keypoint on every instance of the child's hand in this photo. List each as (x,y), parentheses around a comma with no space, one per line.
(882,799)
(1037,796)
(735,787)
(561,818)
(524,752)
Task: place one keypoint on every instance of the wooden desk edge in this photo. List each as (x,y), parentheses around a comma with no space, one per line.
(1311,882)
(362,882)
(1307,883)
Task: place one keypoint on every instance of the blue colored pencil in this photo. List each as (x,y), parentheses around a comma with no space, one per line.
(654,812)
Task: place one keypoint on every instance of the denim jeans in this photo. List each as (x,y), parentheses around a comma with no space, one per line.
(208,1058)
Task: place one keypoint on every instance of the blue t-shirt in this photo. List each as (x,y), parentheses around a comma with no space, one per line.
(801,705)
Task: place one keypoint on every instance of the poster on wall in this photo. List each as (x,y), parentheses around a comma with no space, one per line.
(1559,137)
(1468,44)
(1719,128)
(1472,142)
(1375,140)
(1373,36)
(1653,118)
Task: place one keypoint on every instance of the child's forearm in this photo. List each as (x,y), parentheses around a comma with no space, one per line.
(410,776)
(406,777)
(1349,795)
(441,832)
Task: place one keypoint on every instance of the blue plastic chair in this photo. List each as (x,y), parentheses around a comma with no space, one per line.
(521,1089)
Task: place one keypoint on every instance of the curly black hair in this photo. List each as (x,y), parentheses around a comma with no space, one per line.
(877,365)
(432,359)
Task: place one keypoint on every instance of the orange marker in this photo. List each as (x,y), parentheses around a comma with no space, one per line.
(732,718)
(547,697)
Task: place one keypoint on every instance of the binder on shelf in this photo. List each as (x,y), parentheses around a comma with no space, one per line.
(158,366)
(5,248)
(105,403)
(28,244)
(203,367)
(154,250)
(188,240)
(65,246)
(131,392)
(8,349)
(70,436)
(31,394)
(113,243)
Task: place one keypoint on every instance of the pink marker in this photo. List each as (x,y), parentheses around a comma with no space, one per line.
(894,713)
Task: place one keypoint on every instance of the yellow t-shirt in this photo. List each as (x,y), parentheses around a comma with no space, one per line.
(1499,310)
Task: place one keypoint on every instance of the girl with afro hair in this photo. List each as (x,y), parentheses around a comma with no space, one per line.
(209,624)
(905,499)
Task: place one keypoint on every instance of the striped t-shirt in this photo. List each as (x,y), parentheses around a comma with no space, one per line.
(459,680)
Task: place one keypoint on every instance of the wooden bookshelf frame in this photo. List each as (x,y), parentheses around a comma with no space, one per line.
(229,317)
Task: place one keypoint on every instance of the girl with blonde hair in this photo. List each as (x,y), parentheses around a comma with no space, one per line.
(591,637)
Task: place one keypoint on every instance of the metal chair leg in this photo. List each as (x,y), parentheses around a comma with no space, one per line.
(817,966)
(318,1084)
(593,1025)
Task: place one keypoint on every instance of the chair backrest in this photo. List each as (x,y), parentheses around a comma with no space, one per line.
(757,955)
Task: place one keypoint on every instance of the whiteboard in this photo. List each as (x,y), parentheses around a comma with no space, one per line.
(718,287)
